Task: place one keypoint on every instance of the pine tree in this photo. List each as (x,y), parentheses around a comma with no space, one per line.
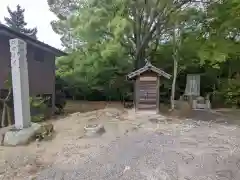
(17,22)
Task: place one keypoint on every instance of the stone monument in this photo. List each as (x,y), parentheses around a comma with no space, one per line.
(192,92)
(193,85)
(20,84)
(24,130)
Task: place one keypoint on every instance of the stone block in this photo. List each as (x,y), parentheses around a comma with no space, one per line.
(16,137)
(94,130)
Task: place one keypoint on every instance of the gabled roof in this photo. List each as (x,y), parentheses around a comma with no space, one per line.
(148,66)
(29,40)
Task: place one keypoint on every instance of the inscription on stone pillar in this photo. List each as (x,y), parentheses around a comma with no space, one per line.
(20,84)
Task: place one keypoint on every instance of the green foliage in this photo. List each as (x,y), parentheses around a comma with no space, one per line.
(8,81)
(17,22)
(230,91)
(107,39)
(100,63)
(220,32)
(38,109)
(103,70)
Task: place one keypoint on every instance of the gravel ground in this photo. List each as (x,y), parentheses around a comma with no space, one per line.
(68,147)
(177,151)
(134,147)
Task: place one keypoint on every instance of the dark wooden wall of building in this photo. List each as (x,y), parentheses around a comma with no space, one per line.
(41,67)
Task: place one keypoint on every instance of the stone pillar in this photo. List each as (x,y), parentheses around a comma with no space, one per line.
(20,84)
(208,104)
(194,104)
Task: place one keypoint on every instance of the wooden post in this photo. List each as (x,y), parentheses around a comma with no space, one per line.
(20,84)
(136,93)
(158,95)
(54,94)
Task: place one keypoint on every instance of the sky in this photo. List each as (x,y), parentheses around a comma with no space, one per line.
(37,14)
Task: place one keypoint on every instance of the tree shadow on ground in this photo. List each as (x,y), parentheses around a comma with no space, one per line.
(214,116)
(229,116)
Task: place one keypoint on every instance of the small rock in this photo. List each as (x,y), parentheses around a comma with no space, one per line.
(46,132)
(3,132)
(80,137)
(33,177)
(135,128)
(94,130)
(31,169)
(159,133)
(126,169)
(154,120)
(1,138)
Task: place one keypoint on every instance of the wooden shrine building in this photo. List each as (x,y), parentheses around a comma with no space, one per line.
(146,87)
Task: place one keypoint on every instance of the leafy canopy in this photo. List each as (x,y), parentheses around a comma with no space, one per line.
(106,39)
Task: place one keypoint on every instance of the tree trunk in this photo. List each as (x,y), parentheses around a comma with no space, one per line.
(176,58)
(9,120)
(3,115)
(174,83)
(140,60)
(229,72)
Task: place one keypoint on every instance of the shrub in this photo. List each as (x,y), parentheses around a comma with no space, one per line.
(60,101)
(38,109)
(232,92)
(229,91)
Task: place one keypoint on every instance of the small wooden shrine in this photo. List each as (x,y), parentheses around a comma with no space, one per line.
(146,87)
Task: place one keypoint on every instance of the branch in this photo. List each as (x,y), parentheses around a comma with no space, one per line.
(153,15)
(8,96)
(154,24)
(146,39)
(151,53)
(138,25)
(146,15)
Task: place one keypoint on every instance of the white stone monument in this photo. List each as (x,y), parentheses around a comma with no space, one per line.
(20,85)
(193,85)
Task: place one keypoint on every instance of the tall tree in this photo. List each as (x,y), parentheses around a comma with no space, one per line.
(137,25)
(111,34)
(63,9)
(220,32)
(17,22)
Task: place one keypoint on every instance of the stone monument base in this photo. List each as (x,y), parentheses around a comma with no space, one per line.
(15,137)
